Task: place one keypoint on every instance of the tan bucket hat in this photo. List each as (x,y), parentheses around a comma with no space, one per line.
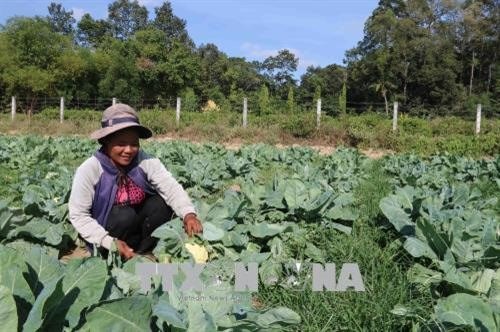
(117,117)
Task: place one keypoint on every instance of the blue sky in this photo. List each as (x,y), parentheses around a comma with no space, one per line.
(318,32)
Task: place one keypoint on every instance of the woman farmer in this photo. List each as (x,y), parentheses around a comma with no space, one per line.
(121,194)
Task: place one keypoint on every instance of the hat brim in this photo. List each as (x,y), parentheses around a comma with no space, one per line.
(143,132)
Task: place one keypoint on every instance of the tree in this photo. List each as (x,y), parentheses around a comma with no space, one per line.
(408,54)
(189,100)
(476,32)
(214,64)
(241,75)
(433,67)
(321,82)
(374,65)
(263,100)
(290,100)
(472,27)
(34,51)
(179,70)
(78,75)
(279,69)
(380,28)
(317,93)
(120,73)
(126,17)
(6,62)
(343,100)
(91,33)
(150,54)
(311,85)
(62,21)
(70,74)
(173,26)
(489,56)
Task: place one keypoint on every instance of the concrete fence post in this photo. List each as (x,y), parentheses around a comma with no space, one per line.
(395,117)
(178,111)
(478,119)
(318,113)
(61,110)
(245,112)
(13,108)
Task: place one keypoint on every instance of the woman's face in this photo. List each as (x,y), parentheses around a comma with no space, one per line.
(122,146)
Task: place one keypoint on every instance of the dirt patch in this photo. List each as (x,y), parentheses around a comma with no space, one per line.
(76,253)
(234,145)
(323,150)
(257,303)
(235,187)
(376,154)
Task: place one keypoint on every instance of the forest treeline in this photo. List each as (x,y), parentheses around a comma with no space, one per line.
(434,56)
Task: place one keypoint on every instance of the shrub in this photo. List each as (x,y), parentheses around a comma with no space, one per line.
(156,120)
(51,113)
(413,125)
(263,100)
(80,115)
(298,125)
(189,101)
(488,144)
(451,125)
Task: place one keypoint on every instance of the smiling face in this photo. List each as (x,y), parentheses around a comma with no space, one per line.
(122,146)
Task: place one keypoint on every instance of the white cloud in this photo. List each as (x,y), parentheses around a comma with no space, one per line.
(150,2)
(304,63)
(78,13)
(256,51)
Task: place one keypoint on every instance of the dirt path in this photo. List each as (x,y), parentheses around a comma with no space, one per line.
(322,149)
(237,144)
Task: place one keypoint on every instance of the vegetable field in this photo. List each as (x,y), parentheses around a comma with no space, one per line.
(424,232)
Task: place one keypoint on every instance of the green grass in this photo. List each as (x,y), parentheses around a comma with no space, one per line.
(385,283)
(7,178)
(371,190)
(383,266)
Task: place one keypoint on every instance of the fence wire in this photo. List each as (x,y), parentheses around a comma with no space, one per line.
(425,111)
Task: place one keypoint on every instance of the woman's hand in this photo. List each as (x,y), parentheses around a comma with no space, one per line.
(125,251)
(192,225)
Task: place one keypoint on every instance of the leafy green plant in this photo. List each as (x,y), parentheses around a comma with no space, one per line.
(270,206)
(189,101)
(302,126)
(343,100)
(156,120)
(290,100)
(264,100)
(457,231)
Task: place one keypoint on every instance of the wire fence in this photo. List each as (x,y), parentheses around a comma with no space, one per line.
(97,104)
(427,111)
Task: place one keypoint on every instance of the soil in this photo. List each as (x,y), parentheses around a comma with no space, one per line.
(324,150)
